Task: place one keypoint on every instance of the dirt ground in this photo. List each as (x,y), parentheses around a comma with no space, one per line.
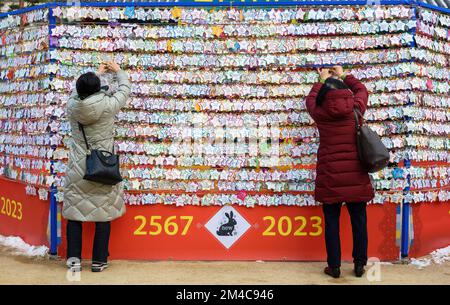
(24,270)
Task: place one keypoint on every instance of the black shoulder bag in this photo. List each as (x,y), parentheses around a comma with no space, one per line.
(101,165)
(371,151)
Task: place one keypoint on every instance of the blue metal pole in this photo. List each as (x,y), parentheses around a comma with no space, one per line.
(405,231)
(53,222)
(404,249)
(53,189)
(404,243)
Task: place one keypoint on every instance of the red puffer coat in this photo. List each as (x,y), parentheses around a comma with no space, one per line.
(340,175)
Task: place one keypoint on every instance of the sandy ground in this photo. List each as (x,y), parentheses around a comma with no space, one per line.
(24,270)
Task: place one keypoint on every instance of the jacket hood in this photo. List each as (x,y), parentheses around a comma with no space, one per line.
(339,93)
(89,110)
(339,102)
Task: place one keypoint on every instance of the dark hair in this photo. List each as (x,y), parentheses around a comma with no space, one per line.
(331,83)
(88,84)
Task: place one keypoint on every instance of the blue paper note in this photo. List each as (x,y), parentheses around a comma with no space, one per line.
(129,11)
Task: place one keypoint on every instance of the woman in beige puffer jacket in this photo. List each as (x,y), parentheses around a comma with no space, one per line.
(86,200)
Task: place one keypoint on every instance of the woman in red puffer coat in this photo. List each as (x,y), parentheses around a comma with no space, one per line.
(340,175)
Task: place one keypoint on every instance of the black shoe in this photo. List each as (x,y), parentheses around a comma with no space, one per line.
(359,270)
(98,267)
(333,271)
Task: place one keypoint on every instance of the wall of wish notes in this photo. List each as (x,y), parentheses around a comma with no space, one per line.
(217,113)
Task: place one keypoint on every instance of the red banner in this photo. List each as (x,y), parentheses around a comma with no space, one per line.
(22,215)
(431,227)
(228,233)
(275,233)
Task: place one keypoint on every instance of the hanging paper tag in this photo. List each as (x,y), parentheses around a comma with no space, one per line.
(43,194)
(129,11)
(176,13)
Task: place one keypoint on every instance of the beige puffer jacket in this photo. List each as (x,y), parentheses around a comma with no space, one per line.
(85,200)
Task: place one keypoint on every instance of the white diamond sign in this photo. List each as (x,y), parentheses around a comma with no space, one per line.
(227,225)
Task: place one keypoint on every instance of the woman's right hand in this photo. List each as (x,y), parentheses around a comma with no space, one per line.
(114,67)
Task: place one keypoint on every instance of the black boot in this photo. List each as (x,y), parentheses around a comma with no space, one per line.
(99,267)
(359,270)
(333,271)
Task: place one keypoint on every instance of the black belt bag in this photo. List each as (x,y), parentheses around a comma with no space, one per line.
(101,165)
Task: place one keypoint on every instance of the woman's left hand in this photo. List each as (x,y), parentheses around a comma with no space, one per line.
(324,73)
(102,69)
(338,71)
(113,66)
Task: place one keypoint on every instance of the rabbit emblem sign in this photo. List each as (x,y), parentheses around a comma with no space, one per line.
(227,226)
(227,229)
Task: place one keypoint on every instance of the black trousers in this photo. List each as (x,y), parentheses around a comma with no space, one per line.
(101,240)
(358,216)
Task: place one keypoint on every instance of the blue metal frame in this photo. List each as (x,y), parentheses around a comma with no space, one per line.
(433,7)
(24,10)
(219,3)
(235,3)
(404,249)
(222,3)
(208,3)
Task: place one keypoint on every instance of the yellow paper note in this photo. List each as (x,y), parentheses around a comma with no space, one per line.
(217,30)
(176,12)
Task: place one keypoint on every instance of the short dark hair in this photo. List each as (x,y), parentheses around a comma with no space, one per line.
(331,83)
(88,84)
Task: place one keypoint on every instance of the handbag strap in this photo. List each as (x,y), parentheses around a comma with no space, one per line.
(80,126)
(357,116)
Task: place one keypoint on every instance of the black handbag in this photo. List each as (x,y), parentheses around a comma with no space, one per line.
(371,150)
(101,165)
